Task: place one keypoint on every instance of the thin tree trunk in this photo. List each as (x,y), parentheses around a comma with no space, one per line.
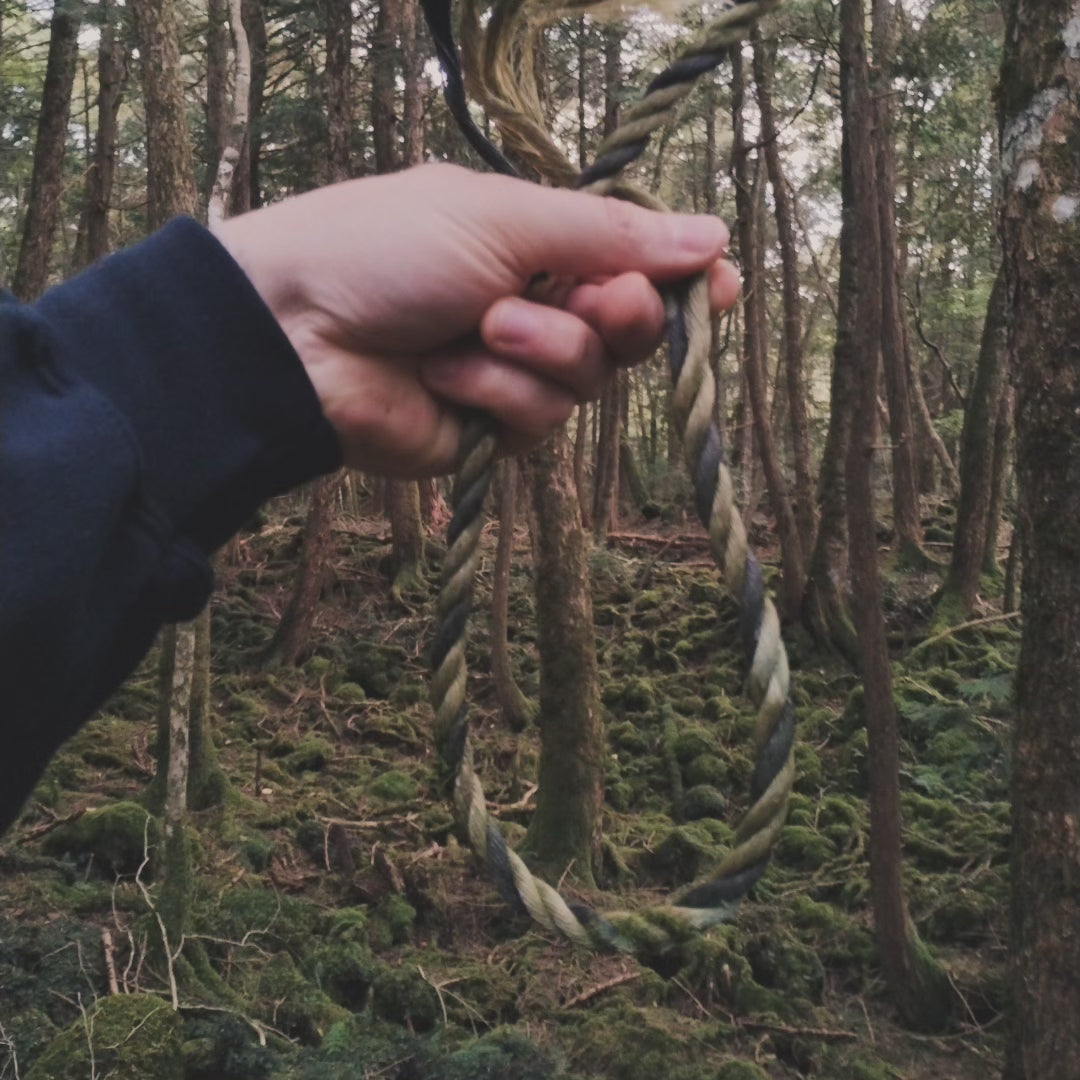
(914,981)
(383,76)
(217,89)
(516,708)
(906,516)
(750,250)
(825,603)
(976,462)
(47,179)
(1039,102)
(246,184)
(564,831)
(606,483)
(293,632)
(339,95)
(999,473)
(764,76)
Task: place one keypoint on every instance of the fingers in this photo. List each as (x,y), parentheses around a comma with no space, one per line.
(724,285)
(524,403)
(626,312)
(568,232)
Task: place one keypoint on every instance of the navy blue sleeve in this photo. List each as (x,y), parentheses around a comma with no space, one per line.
(147,407)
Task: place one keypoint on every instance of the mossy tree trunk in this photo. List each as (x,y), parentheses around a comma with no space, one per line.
(977,459)
(1039,101)
(999,474)
(606,485)
(565,828)
(916,983)
(46,180)
(749,206)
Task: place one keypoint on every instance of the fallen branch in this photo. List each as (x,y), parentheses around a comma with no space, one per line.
(828,1034)
(110,961)
(950,631)
(694,540)
(594,991)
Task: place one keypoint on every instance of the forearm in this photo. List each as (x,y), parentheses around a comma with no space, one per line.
(147,407)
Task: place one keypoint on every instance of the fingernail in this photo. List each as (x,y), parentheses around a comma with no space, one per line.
(700,234)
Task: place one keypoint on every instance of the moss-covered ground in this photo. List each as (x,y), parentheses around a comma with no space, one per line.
(338,929)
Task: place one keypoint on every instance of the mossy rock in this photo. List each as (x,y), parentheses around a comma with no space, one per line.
(628,738)
(402,996)
(280,920)
(689,705)
(393,786)
(633,694)
(299,1007)
(702,801)
(632,1043)
(782,963)
(312,754)
(134,1036)
(692,742)
(741,1070)
(116,836)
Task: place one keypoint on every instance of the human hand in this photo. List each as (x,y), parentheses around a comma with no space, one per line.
(402,295)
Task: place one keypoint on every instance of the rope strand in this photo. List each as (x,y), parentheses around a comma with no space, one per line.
(496,57)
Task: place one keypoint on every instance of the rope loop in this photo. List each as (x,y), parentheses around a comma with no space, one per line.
(498,73)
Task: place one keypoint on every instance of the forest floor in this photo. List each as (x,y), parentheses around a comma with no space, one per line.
(339,931)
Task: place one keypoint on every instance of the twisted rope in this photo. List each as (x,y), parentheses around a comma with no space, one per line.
(495,60)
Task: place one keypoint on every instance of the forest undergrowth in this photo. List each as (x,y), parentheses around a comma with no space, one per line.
(340,931)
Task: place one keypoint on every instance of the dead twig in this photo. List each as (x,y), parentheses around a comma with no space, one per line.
(600,988)
(952,630)
(110,961)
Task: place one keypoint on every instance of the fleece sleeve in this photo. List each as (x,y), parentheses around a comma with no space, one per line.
(147,407)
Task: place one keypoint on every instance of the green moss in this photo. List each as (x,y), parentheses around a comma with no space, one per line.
(312,754)
(702,801)
(803,848)
(115,836)
(344,971)
(30,1031)
(397,915)
(692,742)
(680,856)
(133,1036)
(351,693)
(404,997)
(500,1055)
(628,738)
(299,1007)
(741,1070)
(393,786)
(706,769)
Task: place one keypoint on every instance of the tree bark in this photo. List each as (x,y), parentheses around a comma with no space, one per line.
(94,227)
(976,462)
(47,179)
(750,250)
(383,76)
(565,828)
(339,100)
(917,985)
(170,175)
(1039,101)
(217,89)
(999,473)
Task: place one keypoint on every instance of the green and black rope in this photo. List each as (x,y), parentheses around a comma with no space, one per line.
(653,929)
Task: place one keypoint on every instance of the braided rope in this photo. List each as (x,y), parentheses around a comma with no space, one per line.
(656,929)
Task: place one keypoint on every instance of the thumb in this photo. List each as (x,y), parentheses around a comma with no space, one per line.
(583,235)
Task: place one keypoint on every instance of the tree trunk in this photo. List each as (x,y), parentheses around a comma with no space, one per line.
(825,602)
(246,193)
(47,179)
(918,986)
(764,76)
(412,104)
(217,89)
(291,637)
(406,535)
(581,439)
(750,250)
(1039,101)
(999,472)
(606,474)
(339,100)
(206,782)
(94,228)
(516,708)
(906,517)
(383,76)
(565,828)
(170,176)
(976,462)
